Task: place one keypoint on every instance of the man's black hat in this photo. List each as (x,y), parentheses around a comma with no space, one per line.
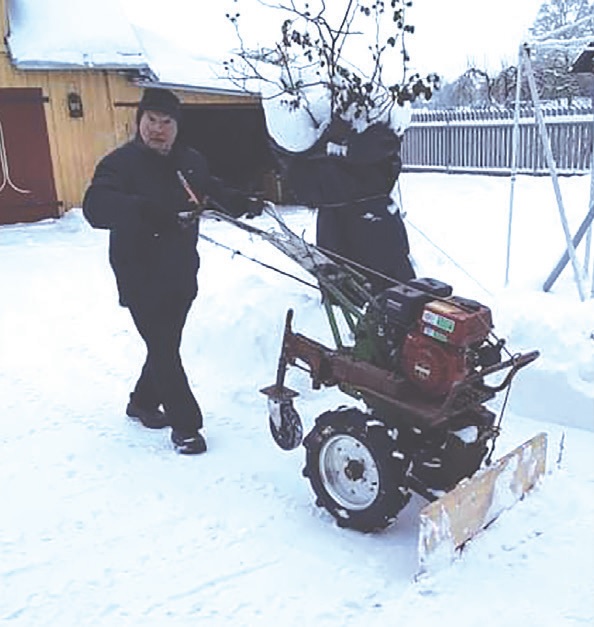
(161,100)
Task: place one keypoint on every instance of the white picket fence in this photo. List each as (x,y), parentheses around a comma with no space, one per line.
(480,140)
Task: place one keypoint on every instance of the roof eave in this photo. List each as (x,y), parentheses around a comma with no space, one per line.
(44,64)
(218,91)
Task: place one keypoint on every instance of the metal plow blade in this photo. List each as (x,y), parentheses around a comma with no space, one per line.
(453,519)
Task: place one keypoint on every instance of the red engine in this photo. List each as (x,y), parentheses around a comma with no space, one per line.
(437,352)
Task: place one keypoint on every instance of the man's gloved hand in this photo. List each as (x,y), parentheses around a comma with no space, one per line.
(188,214)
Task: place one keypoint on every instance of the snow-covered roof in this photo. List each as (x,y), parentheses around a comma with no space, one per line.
(61,34)
(174,66)
(56,34)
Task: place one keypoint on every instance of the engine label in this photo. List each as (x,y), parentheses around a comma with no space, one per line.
(422,372)
(441,322)
(434,333)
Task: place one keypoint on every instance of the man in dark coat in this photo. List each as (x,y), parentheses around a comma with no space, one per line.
(136,193)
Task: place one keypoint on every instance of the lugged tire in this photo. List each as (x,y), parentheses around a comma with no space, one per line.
(290,433)
(352,470)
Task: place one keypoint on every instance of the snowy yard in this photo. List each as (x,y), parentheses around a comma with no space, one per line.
(103,524)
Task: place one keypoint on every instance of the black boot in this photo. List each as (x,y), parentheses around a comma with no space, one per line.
(150,418)
(188,443)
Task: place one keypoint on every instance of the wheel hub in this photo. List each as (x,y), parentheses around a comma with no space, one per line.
(354,470)
(349,472)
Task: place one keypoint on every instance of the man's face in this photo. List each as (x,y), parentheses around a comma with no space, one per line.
(158,131)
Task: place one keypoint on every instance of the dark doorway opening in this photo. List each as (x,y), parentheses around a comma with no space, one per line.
(234,141)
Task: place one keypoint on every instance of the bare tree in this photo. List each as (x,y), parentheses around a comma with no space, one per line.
(473,88)
(552,63)
(312,51)
(554,14)
(503,89)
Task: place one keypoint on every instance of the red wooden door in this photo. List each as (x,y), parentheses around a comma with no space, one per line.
(27,189)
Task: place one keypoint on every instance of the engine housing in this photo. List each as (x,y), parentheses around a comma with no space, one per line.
(438,352)
(431,337)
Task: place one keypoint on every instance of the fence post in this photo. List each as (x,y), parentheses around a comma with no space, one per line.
(449,143)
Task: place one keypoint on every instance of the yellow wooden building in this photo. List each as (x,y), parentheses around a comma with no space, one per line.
(57,121)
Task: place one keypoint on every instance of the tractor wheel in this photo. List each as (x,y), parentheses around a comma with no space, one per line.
(352,470)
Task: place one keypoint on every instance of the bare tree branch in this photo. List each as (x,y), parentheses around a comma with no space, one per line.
(312,51)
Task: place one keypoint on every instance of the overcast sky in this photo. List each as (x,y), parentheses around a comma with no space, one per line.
(450,34)
(453,34)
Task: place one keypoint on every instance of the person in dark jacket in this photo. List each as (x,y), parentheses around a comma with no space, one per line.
(348,177)
(137,194)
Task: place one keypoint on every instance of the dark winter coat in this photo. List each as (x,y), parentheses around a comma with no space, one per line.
(345,167)
(348,177)
(136,194)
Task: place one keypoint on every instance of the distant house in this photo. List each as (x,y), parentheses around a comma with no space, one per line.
(67,96)
(584,63)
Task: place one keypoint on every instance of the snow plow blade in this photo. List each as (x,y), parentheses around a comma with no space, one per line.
(449,522)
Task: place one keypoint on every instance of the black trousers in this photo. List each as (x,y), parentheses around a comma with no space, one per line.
(163,380)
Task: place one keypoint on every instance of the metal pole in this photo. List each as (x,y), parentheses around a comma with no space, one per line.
(553,169)
(589,234)
(592,290)
(514,160)
(585,226)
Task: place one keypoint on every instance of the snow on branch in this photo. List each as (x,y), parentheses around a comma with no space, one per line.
(322,61)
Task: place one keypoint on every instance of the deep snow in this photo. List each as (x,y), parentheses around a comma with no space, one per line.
(103,524)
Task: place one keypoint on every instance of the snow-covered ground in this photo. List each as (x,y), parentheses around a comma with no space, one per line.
(103,524)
